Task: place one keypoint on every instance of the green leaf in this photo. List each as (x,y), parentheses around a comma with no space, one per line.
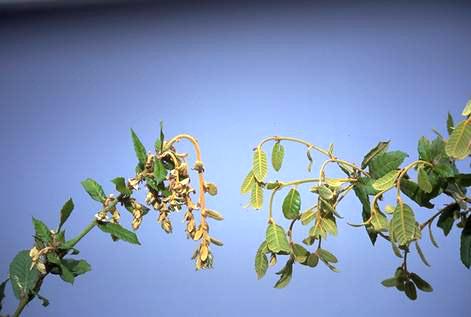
(65,212)
(286,275)
(423,181)
(421,254)
(94,190)
(467,109)
(121,186)
(413,191)
(300,253)
(447,218)
(261,261)
(385,162)
(292,204)
(160,141)
(66,274)
(160,173)
(77,267)
(325,192)
(247,183)
(410,290)
(41,231)
(387,181)
(326,256)
(119,232)
(379,221)
(378,149)
(312,260)
(458,145)
(465,247)
(256,197)
(449,124)
(307,216)
(390,282)
(424,149)
(362,189)
(403,224)
(329,226)
(2,292)
(22,277)
(276,239)
(420,283)
(277,156)
(259,167)
(139,149)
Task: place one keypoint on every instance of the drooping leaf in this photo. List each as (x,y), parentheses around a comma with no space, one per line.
(260,167)
(139,149)
(390,282)
(23,278)
(2,292)
(379,221)
(361,189)
(247,183)
(423,181)
(300,253)
(378,149)
(65,212)
(307,216)
(94,190)
(465,246)
(292,204)
(277,156)
(325,192)
(312,260)
(432,238)
(77,267)
(326,256)
(387,181)
(160,173)
(403,224)
(329,226)
(385,162)
(256,197)
(42,232)
(421,254)
(276,239)
(309,158)
(410,290)
(449,124)
(447,218)
(459,143)
(421,284)
(413,191)
(121,187)
(286,275)
(467,109)
(119,232)
(261,261)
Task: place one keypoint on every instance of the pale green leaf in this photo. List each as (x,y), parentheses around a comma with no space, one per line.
(458,145)
(467,109)
(277,156)
(385,162)
(307,216)
(403,224)
(387,181)
(260,167)
(423,180)
(247,183)
(256,197)
(276,239)
(261,261)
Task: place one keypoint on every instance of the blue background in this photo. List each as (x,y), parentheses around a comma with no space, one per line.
(72,83)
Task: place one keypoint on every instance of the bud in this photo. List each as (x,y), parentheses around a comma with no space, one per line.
(199,167)
(214,214)
(41,268)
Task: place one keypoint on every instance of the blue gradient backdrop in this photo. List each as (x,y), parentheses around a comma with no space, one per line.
(73,83)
